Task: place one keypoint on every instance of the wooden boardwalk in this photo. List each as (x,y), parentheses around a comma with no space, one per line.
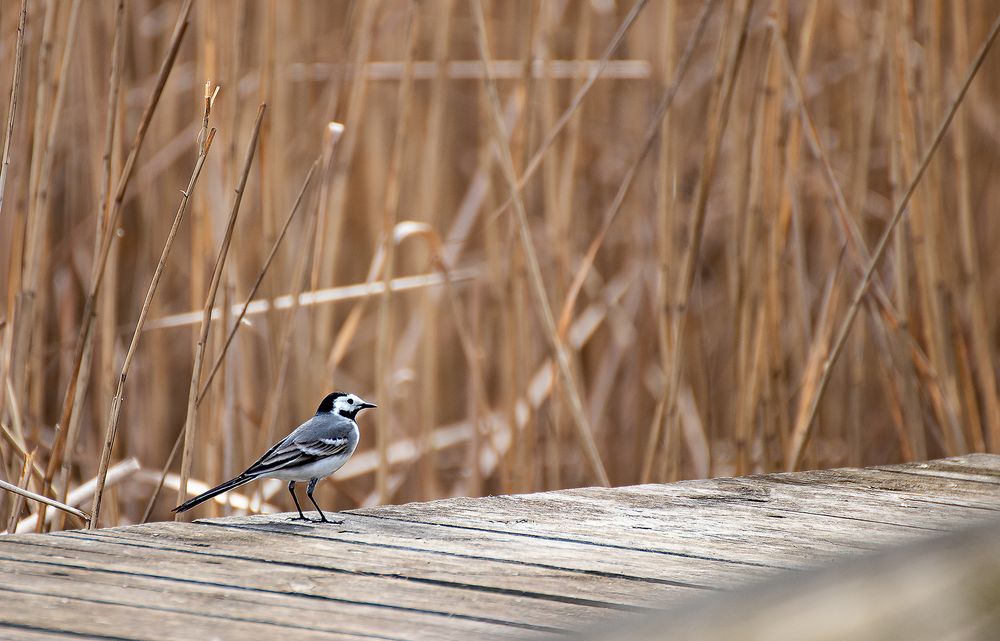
(499,567)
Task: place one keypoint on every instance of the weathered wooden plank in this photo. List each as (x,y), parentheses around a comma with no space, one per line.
(279,593)
(825,494)
(36,609)
(976,468)
(430,577)
(668,522)
(945,589)
(933,491)
(497,567)
(36,632)
(639,567)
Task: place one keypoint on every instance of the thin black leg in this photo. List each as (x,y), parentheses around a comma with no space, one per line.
(291,490)
(309,493)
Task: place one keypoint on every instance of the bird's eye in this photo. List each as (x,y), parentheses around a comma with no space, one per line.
(351,401)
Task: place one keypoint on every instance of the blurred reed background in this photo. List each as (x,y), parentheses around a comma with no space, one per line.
(698,217)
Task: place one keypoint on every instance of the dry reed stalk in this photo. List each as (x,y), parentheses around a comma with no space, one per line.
(853,243)
(579,68)
(15,90)
(971,279)
(538,100)
(868,100)
(478,400)
(649,138)
(26,255)
(429,203)
(456,241)
(870,94)
(390,214)
(729,64)
(542,383)
(266,39)
(39,206)
(844,327)
(748,327)
(779,176)
(21,449)
(199,350)
(118,473)
(536,159)
(14,407)
(371,287)
(272,403)
(584,431)
(332,199)
(910,420)
(224,454)
(10,487)
(897,408)
(458,238)
(910,257)
(37,222)
(77,373)
(818,350)
(793,145)
(114,86)
(571,153)
(22,482)
(746,331)
(540,44)
(44,83)
(938,256)
(925,263)
(205,138)
(260,278)
(666,196)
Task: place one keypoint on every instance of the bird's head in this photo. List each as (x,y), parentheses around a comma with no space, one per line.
(344,404)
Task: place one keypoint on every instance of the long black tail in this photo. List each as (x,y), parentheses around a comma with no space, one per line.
(215,491)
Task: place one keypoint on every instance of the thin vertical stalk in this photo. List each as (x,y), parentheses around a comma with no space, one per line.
(15,91)
(116,403)
(390,214)
(727,71)
(536,159)
(430,188)
(22,483)
(110,120)
(649,139)
(971,279)
(206,318)
(237,323)
(582,423)
(852,311)
(333,198)
(77,372)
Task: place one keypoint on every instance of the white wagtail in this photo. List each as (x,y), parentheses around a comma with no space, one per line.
(314,450)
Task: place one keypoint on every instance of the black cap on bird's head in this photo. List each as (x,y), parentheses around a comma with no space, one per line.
(344,404)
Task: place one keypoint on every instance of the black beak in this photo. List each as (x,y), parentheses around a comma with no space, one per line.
(365,405)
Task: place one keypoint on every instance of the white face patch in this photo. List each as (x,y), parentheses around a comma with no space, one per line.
(346,404)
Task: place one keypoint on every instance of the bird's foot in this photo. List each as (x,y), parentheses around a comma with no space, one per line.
(302,518)
(331,521)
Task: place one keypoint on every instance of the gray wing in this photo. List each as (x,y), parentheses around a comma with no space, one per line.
(318,438)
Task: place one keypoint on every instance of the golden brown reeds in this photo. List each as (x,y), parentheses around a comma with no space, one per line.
(644,231)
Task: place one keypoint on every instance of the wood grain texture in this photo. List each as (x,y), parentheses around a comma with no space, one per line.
(527,566)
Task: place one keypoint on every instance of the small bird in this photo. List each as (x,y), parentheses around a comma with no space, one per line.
(314,450)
